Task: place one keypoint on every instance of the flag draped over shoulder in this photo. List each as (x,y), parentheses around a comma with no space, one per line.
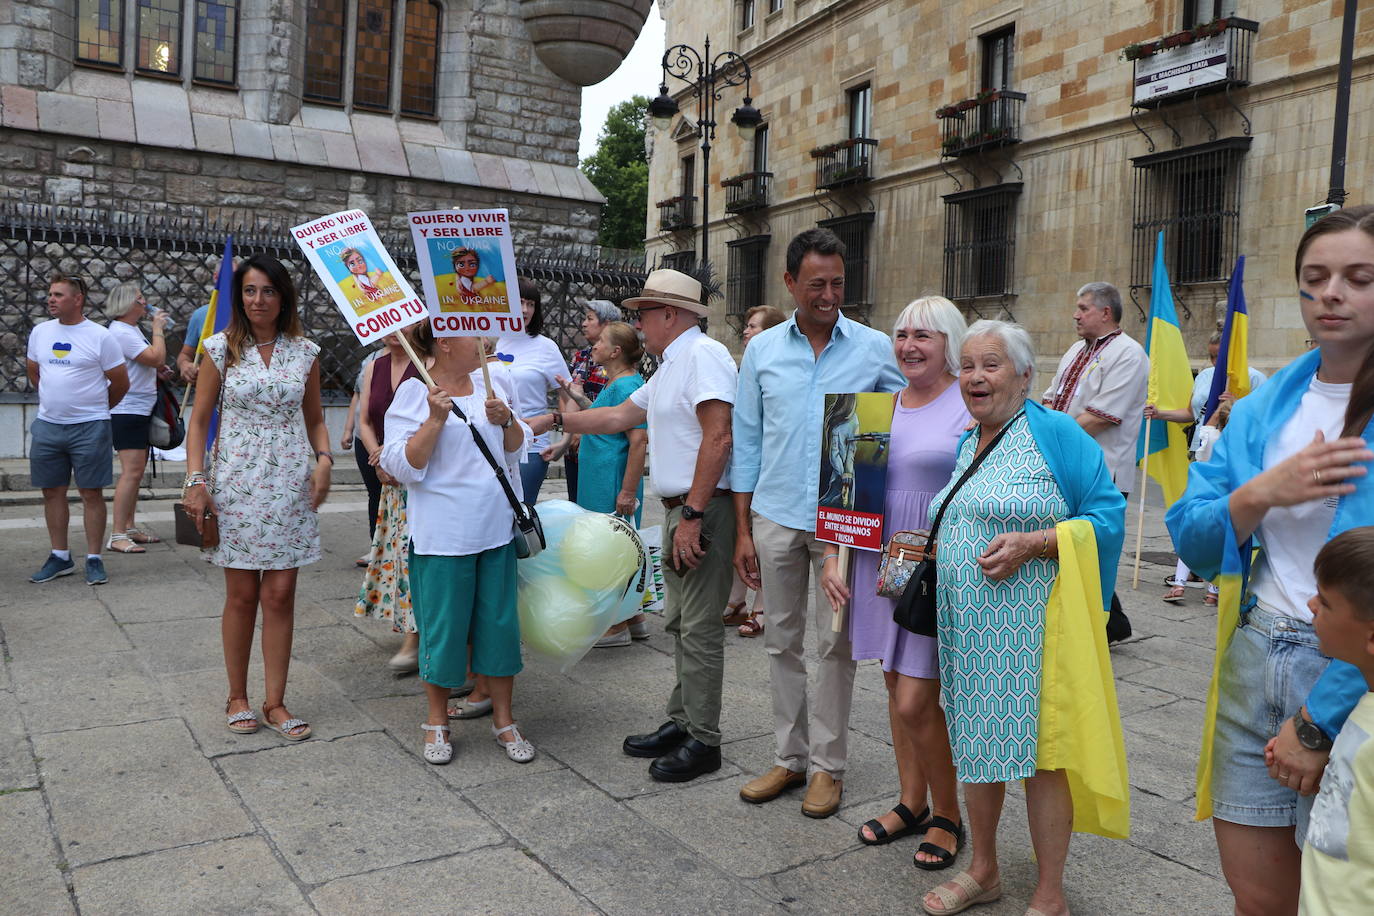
(1230,582)
(1170,386)
(1233,365)
(1080,724)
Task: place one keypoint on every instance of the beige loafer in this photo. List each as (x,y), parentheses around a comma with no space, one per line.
(822,795)
(770,785)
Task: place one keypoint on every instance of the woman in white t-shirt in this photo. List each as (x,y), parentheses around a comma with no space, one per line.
(533,365)
(1290,471)
(129,419)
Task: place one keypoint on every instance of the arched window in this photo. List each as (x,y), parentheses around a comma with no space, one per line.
(158,29)
(217,35)
(326,41)
(372,55)
(421,56)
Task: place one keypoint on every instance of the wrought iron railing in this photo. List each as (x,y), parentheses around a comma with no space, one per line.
(980,242)
(1212,57)
(676,213)
(987,121)
(844,163)
(746,192)
(175,260)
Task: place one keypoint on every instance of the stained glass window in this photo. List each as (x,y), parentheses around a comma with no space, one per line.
(325,24)
(217,33)
(100,31)
(159,36)
(372,55)
(421,57)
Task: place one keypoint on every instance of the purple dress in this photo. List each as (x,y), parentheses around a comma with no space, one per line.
(919,464)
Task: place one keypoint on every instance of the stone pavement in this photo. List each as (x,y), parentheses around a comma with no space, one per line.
(121,791)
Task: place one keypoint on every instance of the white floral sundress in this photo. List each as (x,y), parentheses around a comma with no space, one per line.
(260,478)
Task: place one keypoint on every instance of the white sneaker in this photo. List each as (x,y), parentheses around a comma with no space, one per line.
(613,640)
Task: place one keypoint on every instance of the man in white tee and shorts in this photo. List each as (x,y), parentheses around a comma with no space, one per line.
(78,370)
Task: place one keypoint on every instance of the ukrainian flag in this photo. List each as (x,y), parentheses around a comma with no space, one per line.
(1170,386)
(216,318)
(1233,365)
(1234,569)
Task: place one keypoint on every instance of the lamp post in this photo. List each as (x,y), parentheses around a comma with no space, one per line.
(706,75)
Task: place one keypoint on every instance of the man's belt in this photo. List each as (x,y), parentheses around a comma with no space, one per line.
(672,502)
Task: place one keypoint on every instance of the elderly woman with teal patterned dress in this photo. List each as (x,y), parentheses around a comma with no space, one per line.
(1040,500)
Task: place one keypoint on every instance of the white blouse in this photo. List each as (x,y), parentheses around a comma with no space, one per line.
(455,506)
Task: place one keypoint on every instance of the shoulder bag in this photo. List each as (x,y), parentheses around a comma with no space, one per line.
(531,538)
(915,610)
(165,428)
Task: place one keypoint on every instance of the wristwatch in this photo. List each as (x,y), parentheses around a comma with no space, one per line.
(1310,735)
(691,514)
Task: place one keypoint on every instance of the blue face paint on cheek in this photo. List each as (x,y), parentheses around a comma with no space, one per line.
(1306,295)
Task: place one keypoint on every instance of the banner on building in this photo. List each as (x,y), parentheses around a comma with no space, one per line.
(1182,69)
(467,270)
(354,266)
(856,430)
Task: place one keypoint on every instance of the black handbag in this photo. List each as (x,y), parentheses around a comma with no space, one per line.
(531,540)
(915,610)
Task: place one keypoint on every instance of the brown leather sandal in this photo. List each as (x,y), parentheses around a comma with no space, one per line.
(753,626)
(735,614)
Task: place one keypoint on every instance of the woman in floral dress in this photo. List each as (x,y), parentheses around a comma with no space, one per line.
(259,483)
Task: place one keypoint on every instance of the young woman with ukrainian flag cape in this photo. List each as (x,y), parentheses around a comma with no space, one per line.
(1288,474)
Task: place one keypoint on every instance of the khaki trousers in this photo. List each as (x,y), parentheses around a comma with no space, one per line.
(788,557)
(693,608)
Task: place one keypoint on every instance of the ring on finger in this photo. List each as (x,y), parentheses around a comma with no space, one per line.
(1317,476)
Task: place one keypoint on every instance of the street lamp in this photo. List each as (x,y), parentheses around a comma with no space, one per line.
(711,75)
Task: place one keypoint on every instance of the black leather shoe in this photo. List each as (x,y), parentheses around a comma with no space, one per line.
(690,760)
(656,744)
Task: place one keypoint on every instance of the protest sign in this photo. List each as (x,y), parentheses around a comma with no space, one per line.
(855,433)
(354,266)
(467,270)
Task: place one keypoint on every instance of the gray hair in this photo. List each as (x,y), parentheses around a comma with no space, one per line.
(604,309)
(936,313)
(1105,296)
(120,299)
(1015,340)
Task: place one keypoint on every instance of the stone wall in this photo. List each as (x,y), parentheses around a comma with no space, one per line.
(1074,217)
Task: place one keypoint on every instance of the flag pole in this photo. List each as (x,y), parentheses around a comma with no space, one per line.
(191,387)
(1140,527)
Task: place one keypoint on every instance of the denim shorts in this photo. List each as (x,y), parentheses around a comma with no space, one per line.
(1266,674)
(56,450)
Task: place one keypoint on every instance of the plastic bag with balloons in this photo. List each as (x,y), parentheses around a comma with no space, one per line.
(592,575)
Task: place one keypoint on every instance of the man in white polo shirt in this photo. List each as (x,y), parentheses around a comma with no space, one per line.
(687,403)
(78,370)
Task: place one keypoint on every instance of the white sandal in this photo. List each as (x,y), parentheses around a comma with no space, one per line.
(517,749)
(438,751)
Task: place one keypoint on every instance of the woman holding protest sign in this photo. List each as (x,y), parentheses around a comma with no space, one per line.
(535,366)
(264,378)
(928,417)
(462,555)
(385,592)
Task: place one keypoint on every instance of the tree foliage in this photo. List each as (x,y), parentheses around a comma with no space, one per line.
(620,171)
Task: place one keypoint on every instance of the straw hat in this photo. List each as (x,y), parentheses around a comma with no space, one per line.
(669,287)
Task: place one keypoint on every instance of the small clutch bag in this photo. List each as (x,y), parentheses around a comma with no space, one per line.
(186,534)
(903,552)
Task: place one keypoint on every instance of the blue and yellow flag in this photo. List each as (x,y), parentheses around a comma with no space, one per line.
(1233,365)
(216,318)
(1170,387)
(1230,582)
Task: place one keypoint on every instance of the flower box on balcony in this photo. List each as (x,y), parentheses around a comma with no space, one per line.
(990,119)
(847,162)
(748,191)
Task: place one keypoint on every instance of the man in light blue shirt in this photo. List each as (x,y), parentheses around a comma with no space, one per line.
(775,473)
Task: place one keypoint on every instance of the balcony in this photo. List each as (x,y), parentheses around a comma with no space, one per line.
(847,162)
(746,192)
(676,213)
(989,120)
(1208,58)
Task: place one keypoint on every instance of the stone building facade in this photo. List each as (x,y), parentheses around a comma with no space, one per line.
(1002,154)
(284,109)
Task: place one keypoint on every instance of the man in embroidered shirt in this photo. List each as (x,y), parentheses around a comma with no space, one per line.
(1101,383)
(775,472)
(687,403)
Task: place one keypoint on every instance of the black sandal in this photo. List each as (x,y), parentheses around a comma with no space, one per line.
(910,825)
(946,857)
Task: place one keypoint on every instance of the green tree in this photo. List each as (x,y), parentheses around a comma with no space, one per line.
(620,171)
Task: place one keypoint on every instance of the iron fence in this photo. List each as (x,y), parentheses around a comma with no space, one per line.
(175,261)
